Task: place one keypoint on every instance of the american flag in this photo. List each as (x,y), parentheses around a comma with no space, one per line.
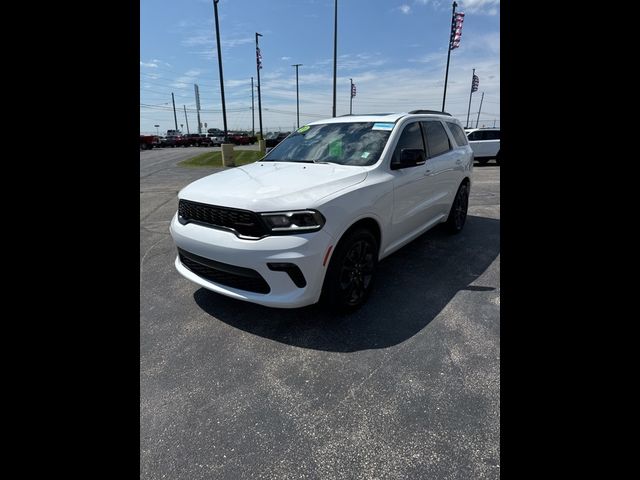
(474,83)
(456,30)
(259,57)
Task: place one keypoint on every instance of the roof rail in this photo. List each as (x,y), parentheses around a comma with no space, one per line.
(436,112)
(365,114)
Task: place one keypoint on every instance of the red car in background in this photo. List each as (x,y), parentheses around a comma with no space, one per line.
(147,142)
(241,138)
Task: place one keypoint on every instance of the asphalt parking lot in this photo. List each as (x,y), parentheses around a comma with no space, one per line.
(407,387)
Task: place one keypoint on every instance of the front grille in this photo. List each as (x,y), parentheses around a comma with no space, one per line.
(243,222)
(224,274)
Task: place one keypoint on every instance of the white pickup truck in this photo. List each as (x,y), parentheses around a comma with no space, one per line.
(485,143)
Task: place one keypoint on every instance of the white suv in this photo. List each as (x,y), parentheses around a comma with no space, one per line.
(311,220)
(485,143)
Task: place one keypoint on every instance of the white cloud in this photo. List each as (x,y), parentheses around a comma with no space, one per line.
(148,64)
(234,42)
(196,40)
(405,9)
(285,58)
(487,7)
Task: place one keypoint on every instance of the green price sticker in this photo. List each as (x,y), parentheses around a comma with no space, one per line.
(335,148)
(303,129)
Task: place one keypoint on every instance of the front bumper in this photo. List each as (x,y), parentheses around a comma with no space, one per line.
(306,251)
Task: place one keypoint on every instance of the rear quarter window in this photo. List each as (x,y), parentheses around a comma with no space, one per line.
(437,138)
(458,134)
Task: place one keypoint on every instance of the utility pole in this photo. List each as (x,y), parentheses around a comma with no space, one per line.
(470,93)
(224,108)
(258,67)
(478,119)
(446,75)
(186,119)
(494,123)
(297,94)
(351,97)
(175,117)
(253,116)
(335,53)
(197,90)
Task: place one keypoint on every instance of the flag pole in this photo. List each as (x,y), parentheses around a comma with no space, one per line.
(470,93)
(446,75)
(351,97)
(478,119)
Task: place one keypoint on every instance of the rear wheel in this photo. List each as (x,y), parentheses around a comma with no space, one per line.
(498,158)
(482,161)
(351,271)
(458,213)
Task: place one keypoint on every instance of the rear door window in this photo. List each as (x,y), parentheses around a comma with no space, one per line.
(411,138)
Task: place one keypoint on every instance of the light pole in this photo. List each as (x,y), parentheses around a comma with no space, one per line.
(297,94)
(157,131)
(186,119)
(335,53)
(224,108)
(258,67)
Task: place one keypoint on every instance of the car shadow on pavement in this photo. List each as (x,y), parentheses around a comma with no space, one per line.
(412,287)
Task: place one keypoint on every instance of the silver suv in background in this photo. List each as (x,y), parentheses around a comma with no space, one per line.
(485,143)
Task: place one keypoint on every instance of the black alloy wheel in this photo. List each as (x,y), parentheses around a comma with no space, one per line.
(351,271)
(458,213)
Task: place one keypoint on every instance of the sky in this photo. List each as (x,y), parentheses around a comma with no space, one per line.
(394,50)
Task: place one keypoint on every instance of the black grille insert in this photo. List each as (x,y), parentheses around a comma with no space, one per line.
(243,222)
(224,274)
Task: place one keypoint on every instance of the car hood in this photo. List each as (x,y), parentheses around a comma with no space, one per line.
(272,186)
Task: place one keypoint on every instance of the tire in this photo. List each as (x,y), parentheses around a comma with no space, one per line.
(498,158)
(351,272)
(458,214)
(482,161)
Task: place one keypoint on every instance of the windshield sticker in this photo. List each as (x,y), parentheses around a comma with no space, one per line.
(382,126)
(364,155)
(335,148)
(303,129)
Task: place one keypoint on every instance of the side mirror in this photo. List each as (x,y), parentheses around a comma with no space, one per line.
(409,157)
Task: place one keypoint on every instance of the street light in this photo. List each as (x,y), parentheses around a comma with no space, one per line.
(335,53)
(157,132)
(297,94)
(224,108)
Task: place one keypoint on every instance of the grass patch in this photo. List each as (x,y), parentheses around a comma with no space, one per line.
(214,159)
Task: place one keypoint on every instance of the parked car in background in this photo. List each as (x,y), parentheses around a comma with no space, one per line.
(147,142)
(167,142)
(274,138)
(241,138)
(217,139)
(311,219)
(485,143)
(197,140)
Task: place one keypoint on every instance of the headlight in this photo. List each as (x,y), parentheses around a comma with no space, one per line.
(301,221)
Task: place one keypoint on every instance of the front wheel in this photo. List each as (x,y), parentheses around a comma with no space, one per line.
(458,213)
(351,271)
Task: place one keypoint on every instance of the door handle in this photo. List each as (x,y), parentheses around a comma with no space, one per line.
(427,173)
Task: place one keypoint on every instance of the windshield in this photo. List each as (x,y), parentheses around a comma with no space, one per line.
(351,143)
